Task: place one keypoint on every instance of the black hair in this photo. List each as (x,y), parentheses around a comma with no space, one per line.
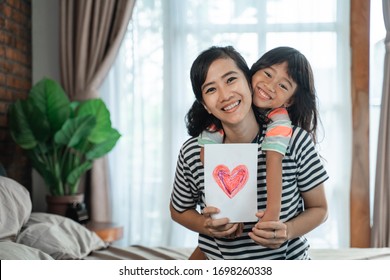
(303,109)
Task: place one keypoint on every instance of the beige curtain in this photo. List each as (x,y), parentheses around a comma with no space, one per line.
(91,33)
(381,224)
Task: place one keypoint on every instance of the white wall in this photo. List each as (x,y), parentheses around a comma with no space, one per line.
(45,63)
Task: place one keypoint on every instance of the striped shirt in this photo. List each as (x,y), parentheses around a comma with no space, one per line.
(302,171)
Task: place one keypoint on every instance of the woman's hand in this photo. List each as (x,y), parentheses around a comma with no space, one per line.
(271,234)
(220,228)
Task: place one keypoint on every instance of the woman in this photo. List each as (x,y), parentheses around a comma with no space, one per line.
(221,83)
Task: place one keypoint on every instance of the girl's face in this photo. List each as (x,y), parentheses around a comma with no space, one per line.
(226,93)
(272,87)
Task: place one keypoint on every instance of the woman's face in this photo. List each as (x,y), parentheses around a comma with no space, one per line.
(272,87)
(226,93)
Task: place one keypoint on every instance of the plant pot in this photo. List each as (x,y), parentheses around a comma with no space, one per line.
(59,204)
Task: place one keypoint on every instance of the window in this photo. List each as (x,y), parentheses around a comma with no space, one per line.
(148,91)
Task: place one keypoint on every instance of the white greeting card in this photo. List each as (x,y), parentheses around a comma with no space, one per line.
(231,180)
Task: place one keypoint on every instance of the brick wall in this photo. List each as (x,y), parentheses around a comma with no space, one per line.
(15,80)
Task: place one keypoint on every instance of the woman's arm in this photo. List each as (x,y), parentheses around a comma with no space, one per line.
(315,213)
(274,234)
(190,219)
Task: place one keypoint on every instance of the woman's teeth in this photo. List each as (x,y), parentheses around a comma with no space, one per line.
(231,106)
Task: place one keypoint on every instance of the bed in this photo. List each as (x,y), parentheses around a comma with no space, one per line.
(26,235)
(164,253)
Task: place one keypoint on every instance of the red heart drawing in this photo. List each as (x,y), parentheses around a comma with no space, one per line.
(231,182)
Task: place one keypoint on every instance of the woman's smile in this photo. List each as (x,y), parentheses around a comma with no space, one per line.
(231,106)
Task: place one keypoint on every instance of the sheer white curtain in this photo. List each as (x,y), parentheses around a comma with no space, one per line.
(148,91)
(377,56)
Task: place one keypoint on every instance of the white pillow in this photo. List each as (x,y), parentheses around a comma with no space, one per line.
(15,208)
(14,251)
(58,236)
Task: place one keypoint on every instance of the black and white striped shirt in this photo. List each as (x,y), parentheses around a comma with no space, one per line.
(302,171)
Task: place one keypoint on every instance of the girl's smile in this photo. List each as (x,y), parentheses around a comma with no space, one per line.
(261,93)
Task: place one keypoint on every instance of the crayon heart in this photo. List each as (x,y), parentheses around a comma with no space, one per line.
(231,182)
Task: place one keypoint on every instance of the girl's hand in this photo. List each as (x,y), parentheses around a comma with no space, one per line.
(220,228)
(271,234)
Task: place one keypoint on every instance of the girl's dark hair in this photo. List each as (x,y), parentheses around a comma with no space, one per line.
(303,109)
(197,118)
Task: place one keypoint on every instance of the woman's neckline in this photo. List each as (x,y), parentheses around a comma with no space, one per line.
(254,139)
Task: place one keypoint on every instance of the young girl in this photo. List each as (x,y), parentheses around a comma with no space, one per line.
(302,186)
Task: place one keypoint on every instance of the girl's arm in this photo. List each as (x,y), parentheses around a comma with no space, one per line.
(275,143)
(274,234)
(274,186)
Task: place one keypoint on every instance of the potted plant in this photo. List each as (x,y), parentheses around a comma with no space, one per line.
(61,138)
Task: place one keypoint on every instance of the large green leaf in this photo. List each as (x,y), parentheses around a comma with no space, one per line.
(103,148)
(75,131)
(37,121)
(19,127)
(101,132)
(52,101)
